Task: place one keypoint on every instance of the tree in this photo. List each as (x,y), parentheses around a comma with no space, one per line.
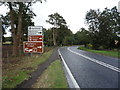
(82,37)
(93,22)
(17,27)
(103,27)
(48,40)
(116,26)
(18,18)
(57,21)
(68,40)
(63,32)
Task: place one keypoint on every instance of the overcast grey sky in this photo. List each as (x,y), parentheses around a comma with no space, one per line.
(73,11)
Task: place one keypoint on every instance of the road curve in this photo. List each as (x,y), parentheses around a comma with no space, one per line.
(91,70)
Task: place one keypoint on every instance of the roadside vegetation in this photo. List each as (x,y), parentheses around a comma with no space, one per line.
(101,37)
(52,77)
(112,53)
(15,73)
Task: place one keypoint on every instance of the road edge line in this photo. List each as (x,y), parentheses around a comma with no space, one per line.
(69,72)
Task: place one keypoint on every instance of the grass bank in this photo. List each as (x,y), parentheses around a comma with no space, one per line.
(52,77)
(103,52)
(14,74)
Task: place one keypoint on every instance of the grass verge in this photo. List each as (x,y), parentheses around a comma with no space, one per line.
(52,77)
(14,74)
(103,52)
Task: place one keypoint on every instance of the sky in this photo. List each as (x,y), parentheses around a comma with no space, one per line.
(73,11)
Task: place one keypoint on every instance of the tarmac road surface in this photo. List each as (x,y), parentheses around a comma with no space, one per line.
(91,70)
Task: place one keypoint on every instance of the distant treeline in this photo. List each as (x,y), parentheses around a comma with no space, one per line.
(103,31)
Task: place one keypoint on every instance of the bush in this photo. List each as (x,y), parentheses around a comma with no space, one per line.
(101,48)
(90,46)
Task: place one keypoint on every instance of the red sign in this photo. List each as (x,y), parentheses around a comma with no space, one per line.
(36,47)
(35,38)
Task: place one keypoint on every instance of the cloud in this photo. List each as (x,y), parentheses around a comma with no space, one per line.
(73,11)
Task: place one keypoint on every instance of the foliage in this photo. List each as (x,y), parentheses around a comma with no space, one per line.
(18,18)
(48,37)
(27,17)
(62,33)
(103,27)
(82,37)
(58,32)
(89,46)
(68,40)
(56,20)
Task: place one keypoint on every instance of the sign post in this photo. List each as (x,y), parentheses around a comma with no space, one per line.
(35,40)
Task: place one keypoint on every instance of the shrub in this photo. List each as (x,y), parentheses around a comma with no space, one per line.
(90,46)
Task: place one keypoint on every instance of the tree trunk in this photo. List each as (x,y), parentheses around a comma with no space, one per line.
(54,39)
(19,28)
(14,53)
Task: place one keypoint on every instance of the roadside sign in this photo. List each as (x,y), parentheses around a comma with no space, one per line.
(35,30)
(35,38)
(34,47)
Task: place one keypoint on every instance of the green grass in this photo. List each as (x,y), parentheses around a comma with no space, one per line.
(52,77)
(103,52)
(14,74)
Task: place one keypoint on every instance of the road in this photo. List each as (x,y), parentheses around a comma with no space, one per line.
(91,70)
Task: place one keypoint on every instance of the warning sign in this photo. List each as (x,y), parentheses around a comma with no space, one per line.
(35,47)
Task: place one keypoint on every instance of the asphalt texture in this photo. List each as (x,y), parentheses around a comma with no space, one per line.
(34,76)
(89,74)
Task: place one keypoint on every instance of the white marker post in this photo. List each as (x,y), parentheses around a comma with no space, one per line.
(119,6)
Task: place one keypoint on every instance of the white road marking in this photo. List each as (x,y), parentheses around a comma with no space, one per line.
(97,61)
(69,72)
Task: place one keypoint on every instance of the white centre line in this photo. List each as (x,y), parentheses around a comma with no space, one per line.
(97,61)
